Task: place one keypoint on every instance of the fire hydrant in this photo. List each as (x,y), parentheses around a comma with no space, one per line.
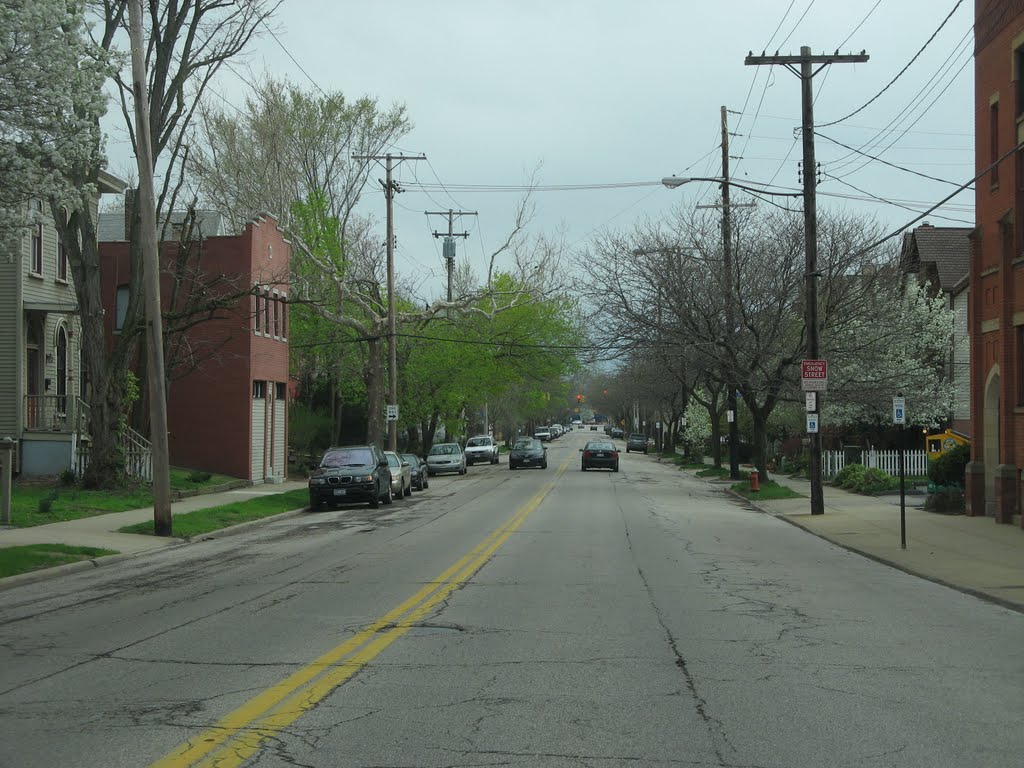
(754,481)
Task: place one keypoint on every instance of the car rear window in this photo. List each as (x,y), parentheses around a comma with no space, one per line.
(352,457)
(637,436)
(600,447)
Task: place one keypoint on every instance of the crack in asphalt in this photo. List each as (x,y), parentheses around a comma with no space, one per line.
(715,727)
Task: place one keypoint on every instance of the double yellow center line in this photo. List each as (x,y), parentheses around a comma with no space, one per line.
(238,735)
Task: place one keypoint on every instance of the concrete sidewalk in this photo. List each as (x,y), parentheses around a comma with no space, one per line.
(101,530)
(971,554)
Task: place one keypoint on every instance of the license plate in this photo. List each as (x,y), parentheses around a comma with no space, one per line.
(527,461)
(339,491)
(600,455)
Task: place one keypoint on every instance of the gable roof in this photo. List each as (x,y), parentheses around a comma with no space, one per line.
(111,225)
(946,248)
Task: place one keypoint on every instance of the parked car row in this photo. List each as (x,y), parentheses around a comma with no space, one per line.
(548,433)
(358,473)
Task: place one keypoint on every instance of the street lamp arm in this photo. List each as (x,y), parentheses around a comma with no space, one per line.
(677,181)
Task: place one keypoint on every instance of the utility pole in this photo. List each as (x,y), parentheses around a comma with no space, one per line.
(151,280)
(806,73)
(730,301)
(448,248)
(390,188)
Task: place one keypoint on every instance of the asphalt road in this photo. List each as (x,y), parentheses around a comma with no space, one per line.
(534,618)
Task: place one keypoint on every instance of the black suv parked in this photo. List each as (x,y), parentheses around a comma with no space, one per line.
(351,473)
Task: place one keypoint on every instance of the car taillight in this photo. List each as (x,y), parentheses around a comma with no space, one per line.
(586,454)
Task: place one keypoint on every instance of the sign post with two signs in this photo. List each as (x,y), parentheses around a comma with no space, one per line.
(813,379)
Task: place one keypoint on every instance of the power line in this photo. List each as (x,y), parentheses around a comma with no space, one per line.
(892,202)
(944,200)
(866,17)
(906,113)
(898,74)
(884,162)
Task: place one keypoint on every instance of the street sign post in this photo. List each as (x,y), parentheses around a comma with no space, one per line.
(899,410)
(814,375)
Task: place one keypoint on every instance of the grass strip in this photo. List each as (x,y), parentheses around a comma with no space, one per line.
(201,521)
(34,557)
(770,491)
(33,505)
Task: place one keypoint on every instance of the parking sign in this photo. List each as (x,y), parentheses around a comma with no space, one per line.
(812,422)
(899,410)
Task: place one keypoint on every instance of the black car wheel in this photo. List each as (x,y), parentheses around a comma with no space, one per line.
(544,465)
(388,496)
(408,489)
(616,468)
(375,501)
(583,467)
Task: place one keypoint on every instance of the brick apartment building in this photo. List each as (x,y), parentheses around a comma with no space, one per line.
(996,301)
(227,403)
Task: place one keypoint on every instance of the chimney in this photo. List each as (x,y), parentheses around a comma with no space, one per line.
(129,212)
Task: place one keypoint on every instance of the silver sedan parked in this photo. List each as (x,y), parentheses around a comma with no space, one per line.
(401,475)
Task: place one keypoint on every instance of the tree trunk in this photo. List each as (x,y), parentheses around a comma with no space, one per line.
(374,376)
(759,428)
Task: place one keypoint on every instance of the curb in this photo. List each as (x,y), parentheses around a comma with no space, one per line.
(43,574)
(57,571)
(1003,603)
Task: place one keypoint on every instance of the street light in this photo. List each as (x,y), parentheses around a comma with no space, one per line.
(730,374)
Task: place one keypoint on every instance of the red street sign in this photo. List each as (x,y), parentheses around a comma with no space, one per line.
(814,369)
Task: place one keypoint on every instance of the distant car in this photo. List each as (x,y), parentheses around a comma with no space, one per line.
(593,427)
(418,471)
(401,475)
(636,442)
(557,430)
(598,454)
(528,452)
(446,457)
(481,448)
(617,432)
(543,434)
(351,473)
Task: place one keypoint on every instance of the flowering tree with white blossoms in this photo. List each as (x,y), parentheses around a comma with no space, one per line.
(51,99)
(897,348)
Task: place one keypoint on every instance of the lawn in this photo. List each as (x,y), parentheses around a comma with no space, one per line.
(214,518)
(69,502)
(33,557)
(770,491)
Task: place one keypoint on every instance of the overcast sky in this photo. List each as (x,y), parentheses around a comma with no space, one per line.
(618,91)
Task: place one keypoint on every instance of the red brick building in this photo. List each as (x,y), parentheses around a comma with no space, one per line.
(996,302)
(227,404)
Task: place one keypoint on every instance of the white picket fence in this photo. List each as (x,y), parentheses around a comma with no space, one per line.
(915,462)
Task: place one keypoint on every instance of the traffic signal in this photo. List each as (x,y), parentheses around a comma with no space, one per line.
(579,398)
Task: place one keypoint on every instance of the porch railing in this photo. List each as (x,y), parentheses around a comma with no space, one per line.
(138,451)
(50,413)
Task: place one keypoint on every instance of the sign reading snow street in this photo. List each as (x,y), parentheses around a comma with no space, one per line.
(814,375)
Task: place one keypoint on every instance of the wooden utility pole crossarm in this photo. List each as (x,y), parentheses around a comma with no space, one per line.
(806,73)
(449,241)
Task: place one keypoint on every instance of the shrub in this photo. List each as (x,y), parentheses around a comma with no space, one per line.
(198,476)
(849,476)
(950,468)
(874,480)
(46,503)
(68,477)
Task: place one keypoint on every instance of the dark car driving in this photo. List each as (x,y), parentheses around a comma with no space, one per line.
(351,473)
(528,452)
(599,454)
